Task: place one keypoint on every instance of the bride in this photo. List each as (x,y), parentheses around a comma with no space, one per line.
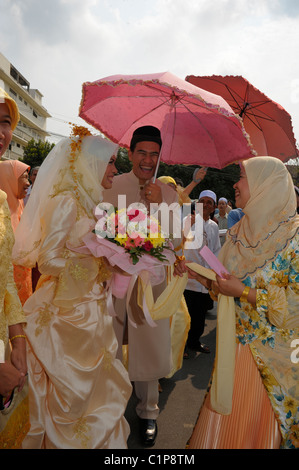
(78,389)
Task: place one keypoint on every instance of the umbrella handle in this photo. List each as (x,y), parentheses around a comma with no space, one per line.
(157,168)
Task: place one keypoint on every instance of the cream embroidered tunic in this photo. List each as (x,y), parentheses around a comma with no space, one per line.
(78,389)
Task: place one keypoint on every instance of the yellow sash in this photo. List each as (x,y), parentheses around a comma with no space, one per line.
(167,304)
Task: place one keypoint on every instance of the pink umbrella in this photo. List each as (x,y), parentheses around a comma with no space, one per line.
(197,127)
(268,124)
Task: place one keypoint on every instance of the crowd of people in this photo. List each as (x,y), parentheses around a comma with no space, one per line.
(73,365)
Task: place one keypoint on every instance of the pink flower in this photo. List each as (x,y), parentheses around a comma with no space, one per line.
(138,241)
(130,243)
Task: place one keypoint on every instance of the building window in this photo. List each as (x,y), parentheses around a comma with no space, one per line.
(13,92)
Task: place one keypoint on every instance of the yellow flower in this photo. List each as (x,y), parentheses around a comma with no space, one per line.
(267,379)
(290,405)
(121,240)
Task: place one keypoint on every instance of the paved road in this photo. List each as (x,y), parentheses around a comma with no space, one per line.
(181,397)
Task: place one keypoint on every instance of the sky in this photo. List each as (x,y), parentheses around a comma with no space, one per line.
(57,45)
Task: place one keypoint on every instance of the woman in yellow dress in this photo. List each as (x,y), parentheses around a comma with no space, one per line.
(14,182)
(13,367)
(253,402)
(79,390)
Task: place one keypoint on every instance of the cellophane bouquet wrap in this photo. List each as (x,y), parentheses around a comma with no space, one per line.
(131,240)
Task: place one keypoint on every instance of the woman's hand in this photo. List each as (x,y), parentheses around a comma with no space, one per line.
(229,285)
(18,351)
(10,378)
(207,283)
(18,358)
(180,268)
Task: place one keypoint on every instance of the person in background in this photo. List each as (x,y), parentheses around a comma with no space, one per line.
(253,400)
(221,217)
(32,175)
(13,363)
(197,297)
(177,184)
(234,216)
(78,389)
(14,182)
(229,206)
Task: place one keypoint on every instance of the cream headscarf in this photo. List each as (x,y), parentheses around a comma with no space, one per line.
(72,166)
(12,106)
(270,219)
(10,171)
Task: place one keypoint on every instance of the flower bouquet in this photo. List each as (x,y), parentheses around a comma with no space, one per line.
(138,233)
(131,240)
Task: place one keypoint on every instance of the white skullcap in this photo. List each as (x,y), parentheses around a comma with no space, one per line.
(208,193)
(223,199)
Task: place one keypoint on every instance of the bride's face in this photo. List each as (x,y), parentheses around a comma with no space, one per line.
(109,173)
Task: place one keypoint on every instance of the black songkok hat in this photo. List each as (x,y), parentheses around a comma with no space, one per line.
(146,133)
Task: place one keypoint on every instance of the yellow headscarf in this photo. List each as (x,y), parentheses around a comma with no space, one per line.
(167,180)
(12,106)
(270,219)
(183,198)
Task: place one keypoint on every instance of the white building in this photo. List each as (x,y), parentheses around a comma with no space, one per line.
(33,116)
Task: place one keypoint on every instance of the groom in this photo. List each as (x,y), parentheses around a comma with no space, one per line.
(149,349)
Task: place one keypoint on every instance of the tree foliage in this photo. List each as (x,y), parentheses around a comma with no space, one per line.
(35,152)
(123,163)
(219,181)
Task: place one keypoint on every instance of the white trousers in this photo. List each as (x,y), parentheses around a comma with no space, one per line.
(148,398)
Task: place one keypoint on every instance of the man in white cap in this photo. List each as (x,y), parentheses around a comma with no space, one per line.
(196,295)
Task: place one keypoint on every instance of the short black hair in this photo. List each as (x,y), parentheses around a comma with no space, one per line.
(145,133)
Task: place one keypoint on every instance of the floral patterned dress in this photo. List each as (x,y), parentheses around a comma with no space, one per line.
(271,330)
(265,403)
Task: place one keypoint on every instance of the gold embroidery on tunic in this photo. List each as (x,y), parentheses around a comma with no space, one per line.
(104,272)
(44,318)
(81,429)
(78,273)
(107,359)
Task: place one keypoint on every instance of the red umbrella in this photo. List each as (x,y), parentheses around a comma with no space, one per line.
(197,127)
(267,123)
